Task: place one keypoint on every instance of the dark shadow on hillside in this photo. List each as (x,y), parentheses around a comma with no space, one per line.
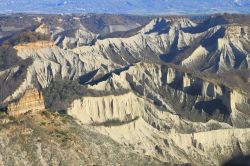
(212,106)
(238,161)
(214,38)
(87,77)
(209,23)
(161,27)
(10,81)
(108,75)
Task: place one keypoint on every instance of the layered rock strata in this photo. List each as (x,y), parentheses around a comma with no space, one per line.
(32,101)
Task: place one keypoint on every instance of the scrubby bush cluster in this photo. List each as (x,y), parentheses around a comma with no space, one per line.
(26,37)
(114,122)
(60,94)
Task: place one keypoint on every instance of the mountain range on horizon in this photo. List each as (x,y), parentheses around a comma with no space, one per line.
(153,7)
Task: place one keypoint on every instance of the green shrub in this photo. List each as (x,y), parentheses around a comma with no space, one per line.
(12,118)
(46,114)
(43,124)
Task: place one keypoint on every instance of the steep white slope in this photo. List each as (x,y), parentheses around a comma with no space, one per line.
(156,130)
(109,107)
(9,71)
(148,80)
(27,83)
(163,24)
(232,54)
(118,28)
(153,40)
(238,116)
(147,135)
(174,147)
(227,53)
(43,29)
(196,59)
(75,38)
(51,62)
(128,107)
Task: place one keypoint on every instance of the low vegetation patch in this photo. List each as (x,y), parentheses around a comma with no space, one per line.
(114,122)
(60,94)
(26,37)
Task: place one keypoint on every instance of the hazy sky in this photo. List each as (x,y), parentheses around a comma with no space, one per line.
(126,6)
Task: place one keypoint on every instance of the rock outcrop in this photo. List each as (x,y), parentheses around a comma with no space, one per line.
(35,45)
(237,31)
(43,29)
(32,101)
(75,38)
(107,108)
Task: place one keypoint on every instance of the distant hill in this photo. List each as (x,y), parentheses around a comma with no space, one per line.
(127,6)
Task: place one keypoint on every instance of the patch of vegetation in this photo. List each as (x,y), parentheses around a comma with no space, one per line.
(2,114)
(60,132)
(62,135)
(60,94)
(3,110)
(43,124)
(46,113)
(114,122)
(26,37)
(9,58)
(12,118)
(159,150)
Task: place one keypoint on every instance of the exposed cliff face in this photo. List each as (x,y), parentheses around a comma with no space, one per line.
(240,109)
(228,51)
(43,29)
(32,101)
(107,108)
(169,114)
(75,38)
(196,148)
(237,31)
(156,133)
(165,86)
(34,45)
